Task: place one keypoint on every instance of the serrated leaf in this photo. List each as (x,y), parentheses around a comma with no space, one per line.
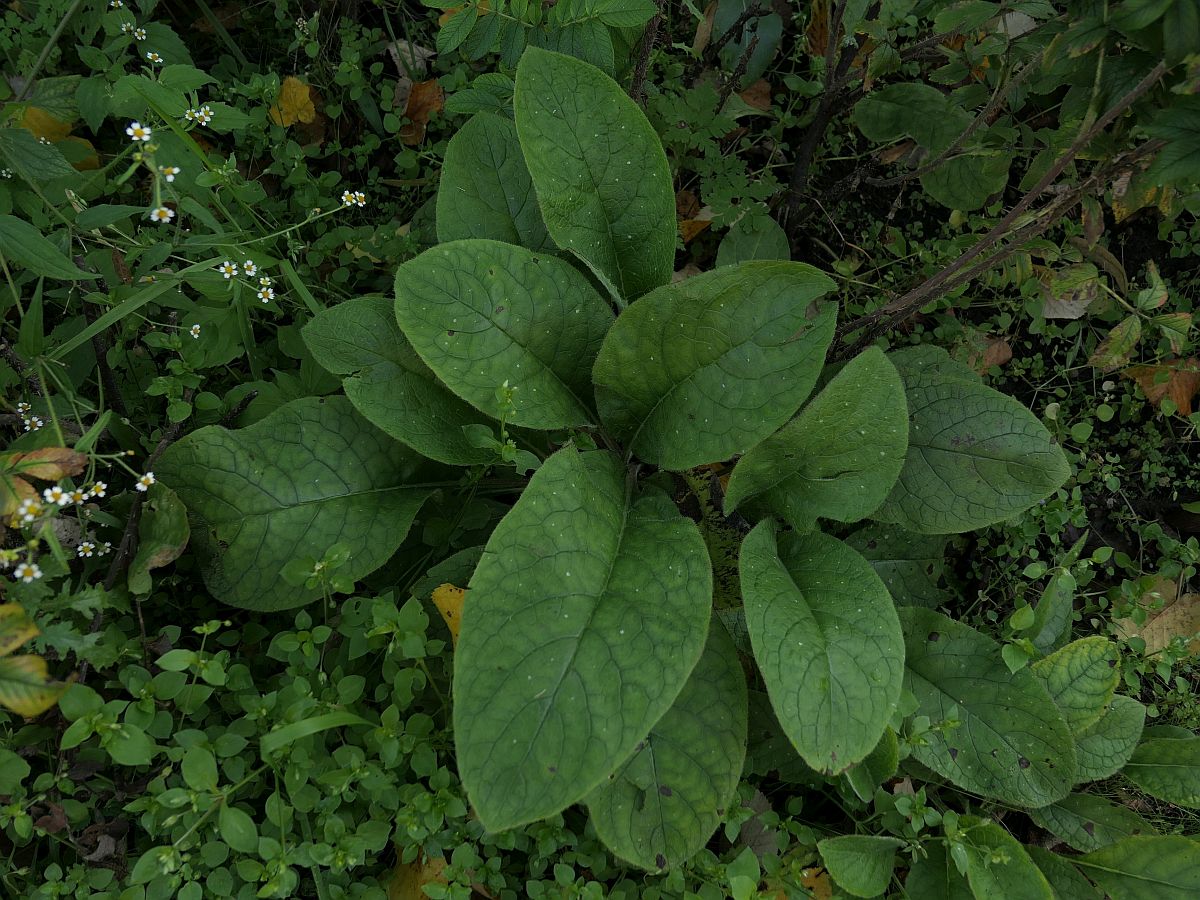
(293,104)
(25,686)
(25,245)
(485,189)
(1146,868)
(389,384)
(482,313)
(827,640)
(455,29)
(662,805)
(163,534)
(911,109)
(1167,768)
(840,457)
(311,475)
(998,866)
(1088,822)
(1081,678)
(860,864)
(600,173)
(1179,125)
(910,564)
(975,457)
(1052,618)
(1011,741)
(588,612)
(698,371)
(1104,747)
(33,161)
(624,13)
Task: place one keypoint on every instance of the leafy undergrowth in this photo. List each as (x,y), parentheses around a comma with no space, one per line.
(601,448)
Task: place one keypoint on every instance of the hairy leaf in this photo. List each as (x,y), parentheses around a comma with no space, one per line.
(311,475)
(482,313)
(1011,741)
(1167,768)
(827,640)
(1105,746)
(935,877)
(663,804)
(485,189)
(163,534)
(1088,822)
(840,457)
(1081,679)
(1065,880)
(860,864)
(388,383)
(600,173)
(1146,868)
(910,564)
(587,613)
(698,371)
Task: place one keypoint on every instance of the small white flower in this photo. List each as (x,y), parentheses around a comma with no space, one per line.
(266,294)
(161,214)
(144,482)
(56,495)
(127,28)
(27,572)
(86,549)
(265,281)
(5,173)
(33,423)
(30,509)
(139,34)
(169,172)
(153,58)
(98,489)
(138,131)
(115,4)
(23,408)
(347,198)
(106,549)
(250,268)
(77,496)
(228,269)
(194,331)
(43,140)
(204,114)
(360,199)
(190,114)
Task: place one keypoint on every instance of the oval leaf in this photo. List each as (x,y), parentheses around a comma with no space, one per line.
(600,173)
(163,534)
(481,313)
(1146,868)
(698,371)
(998,866)
(1168,768)
(311,475)
(840,457)
(828,642)
(975,457)
(664,803)
(389,384)
(860,864)
(585,617)
(485,190)
(1081,678)
(1104,747)
(1088,822)
(1011,741)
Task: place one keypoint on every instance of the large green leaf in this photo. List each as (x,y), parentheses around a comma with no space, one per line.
(1081,678)
(601,176)
(860,864)
(910,564)
(828,642)
(1011,741)
(482,313)
(1146,868)
(1167,768)
(840,457)
(698,371)
(935,877)
(663,804)
(975,457)
(583,620)
(24,245)
(998,866)
(1179,125)
(1065,880)
(1105,746)
(34,161)
(966,180)
(163,534)
(911,109)
(1088,822)
(311,475)
(485,189)
(388,383)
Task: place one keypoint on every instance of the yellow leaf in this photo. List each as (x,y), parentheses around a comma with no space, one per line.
(1178,619)
(48,463)
(294,103)
(44,125)
(408,878)
(25,686)
(15,627)
(449,601)
(12,492)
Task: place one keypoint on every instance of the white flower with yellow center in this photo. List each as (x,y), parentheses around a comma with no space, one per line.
(23,408)
(33,423)
(153,58)
(194,331)
(85,550)
(31,508)
(56,495)
(144,482)
(266,294)
(127,28)
(360,199)
(228,269)
(161,214)
(250,268)
(138,131)
(139,34)
(27,572)
(265,281)
(347,198)
(204,114)
(77,496)
(98,489)
(169,172)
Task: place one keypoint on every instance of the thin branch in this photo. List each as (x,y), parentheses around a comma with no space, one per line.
(738,73)
(900,309)
(713,50)
(22,368)
(637,87)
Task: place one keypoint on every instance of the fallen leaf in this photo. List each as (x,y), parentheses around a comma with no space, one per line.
(48,463)
(1067,293)
(449,601)
(689,228)
(1174,327)
(690,270)
(1176,618)
(54,821)
(816,35)
(1092,217)
(12,491)
(995,352)
(758,95)
(816,882)
(425,99)
(704,30)
(1134,191)
(25,685)
(294,103)
(889,155)
(1178,381)
(1117,348)
(44,125)
(408,879)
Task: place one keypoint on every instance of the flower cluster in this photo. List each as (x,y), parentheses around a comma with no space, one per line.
(354,198)
(201,116)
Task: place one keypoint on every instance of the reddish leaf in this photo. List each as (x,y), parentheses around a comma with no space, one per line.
(425,99)
(1178,381)
(1117,349)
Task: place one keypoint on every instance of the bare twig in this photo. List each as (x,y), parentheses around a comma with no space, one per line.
(637,87)
(21,368)
(738,73)
(757,11)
